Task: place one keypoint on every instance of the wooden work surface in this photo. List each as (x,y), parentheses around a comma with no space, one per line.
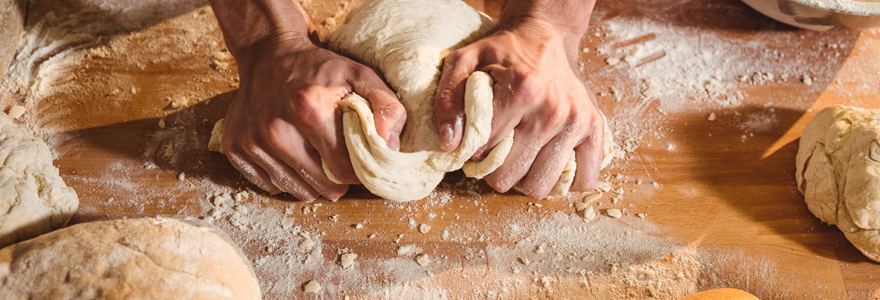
(725,189)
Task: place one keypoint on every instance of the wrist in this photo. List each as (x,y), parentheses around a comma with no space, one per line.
(269,45)
(568,19)
(249,27)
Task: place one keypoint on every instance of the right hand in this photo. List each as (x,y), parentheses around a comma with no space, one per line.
(285,118)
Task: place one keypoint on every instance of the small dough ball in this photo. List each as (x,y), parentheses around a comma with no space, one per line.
(33,197)
(138,258)
(838,171)
(721,294)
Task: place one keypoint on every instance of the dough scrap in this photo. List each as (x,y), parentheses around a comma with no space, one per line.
(33,197)
(406,41)
(136,258)
(838,172)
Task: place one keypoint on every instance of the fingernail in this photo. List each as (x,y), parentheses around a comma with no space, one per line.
(393,141)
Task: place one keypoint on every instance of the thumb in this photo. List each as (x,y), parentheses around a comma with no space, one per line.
(449,99)
(388,113)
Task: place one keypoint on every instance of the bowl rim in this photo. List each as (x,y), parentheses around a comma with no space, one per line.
(851,7)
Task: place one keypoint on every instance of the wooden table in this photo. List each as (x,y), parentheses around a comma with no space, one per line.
(719,197)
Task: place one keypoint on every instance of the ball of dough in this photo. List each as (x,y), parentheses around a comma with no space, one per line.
(838,171)
(721,294)
(135,258)
(33,198)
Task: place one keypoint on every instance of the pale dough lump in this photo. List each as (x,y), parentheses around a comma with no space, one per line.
(131,258)
(33,197)
(838,171)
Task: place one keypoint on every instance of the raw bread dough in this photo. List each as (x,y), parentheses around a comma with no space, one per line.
(838,171)
(33,198)
(137,258)
(407,40)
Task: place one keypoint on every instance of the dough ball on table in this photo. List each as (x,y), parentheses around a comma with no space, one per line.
(721,294)
(838,171)
(33,198)
(132,258)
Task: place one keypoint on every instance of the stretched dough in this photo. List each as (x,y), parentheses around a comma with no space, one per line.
(838,171)
(130,258)
(407,40)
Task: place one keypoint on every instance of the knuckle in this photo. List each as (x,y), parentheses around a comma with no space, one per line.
(527,90)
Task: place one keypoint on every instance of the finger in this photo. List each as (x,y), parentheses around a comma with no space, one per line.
(388,112)
(547,168)
(509,108)
(330,144)
(449,98)
(252,172)
(526,146)
(285,178)
(307,164)
(589,157)
(294,153)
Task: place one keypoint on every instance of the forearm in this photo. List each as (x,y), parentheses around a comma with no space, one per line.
(248,24)
(569,18)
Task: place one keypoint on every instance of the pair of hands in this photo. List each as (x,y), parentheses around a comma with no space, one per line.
(285,117)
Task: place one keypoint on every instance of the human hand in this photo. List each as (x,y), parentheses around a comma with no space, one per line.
(538,95)
(284,119)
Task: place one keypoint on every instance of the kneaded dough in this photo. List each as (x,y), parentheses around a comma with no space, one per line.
(33,198)
(838,171)
(134,258)
(406,41)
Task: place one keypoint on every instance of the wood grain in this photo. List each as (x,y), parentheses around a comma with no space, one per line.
(720,189)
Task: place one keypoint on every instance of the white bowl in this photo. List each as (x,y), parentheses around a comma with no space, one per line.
(821,15)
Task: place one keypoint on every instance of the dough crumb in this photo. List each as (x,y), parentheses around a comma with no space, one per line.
(585,50)
(347,259)
(642,215)
(162,123)
(524,261)
(312,287)
(169,150)
(181,176)
(110,199)
(179,102)
(330,22)
(424,228)
(133,91)
(217,138)
(712,117)
(614,213)
(306,243)
(603,186)
(16,111)
(592,197)
(807,80)
(612,61)
(422,259)
(589,213)
(580,206)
